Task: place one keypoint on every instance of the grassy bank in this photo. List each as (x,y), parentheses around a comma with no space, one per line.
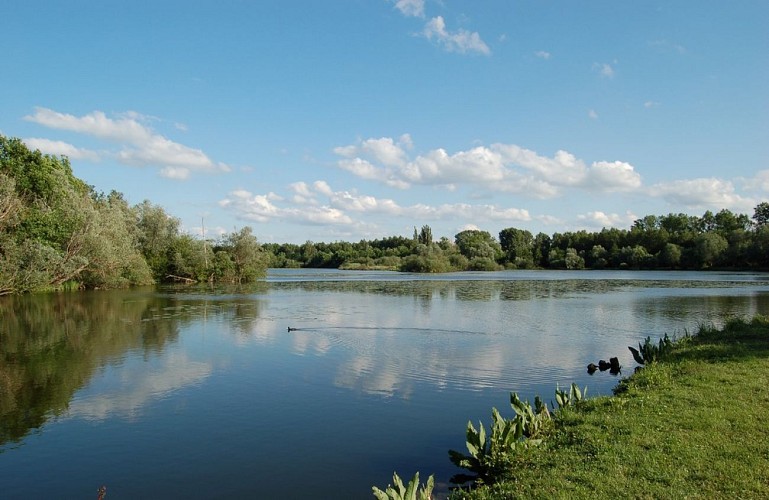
(694,425)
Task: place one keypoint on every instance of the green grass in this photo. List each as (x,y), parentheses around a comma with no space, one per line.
(692,426)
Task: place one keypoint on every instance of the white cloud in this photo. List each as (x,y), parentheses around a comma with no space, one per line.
(759,182)
(598,220)
(592,114)
(179,173)
(260,208)
(60,148)
(613,176)
(542,54)
(334,210)
(322,187)
(365,204)
(461,41)
(707,193)
(604,69)
(411,8)
(385,150)
(651,104)
(498,168)
(140,145)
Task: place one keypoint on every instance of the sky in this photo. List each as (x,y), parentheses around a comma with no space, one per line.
(342,120)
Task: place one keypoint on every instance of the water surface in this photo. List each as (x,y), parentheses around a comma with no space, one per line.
(182,392)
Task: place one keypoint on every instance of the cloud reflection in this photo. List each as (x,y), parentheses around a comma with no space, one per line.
(138,386)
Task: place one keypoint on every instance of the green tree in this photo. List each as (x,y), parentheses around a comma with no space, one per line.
(110,244)
(518,247)
(248,261)
(572,259)
(475,243)
(156,233)
(670,256)
(425,235)
(708,248)
(761,214)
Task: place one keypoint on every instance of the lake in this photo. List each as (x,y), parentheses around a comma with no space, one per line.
(191,392)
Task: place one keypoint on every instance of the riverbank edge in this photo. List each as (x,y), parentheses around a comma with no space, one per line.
(692,425)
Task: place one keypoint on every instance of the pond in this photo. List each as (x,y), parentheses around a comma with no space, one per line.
(185,392)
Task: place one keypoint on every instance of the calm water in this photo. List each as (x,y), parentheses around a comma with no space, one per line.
(197,393)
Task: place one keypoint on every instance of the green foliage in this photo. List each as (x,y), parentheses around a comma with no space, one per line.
(411,491)
(648,352)
(761,214)
(474,243)
(425,235)
(518,247)
(246,261)
(574,397)
(56,232)
(491,457)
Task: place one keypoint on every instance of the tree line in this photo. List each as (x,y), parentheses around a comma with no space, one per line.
(57,232)
(724,240)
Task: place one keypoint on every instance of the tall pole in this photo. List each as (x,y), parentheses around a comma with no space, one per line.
(205,246)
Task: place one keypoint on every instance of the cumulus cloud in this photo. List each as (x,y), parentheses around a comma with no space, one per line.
(616,176)
(139,144)
(260,208)
(542,54)
(61,148)
(497,168)
(598,220)
(760,181)
(334,208)
(707,193)
(411,8)
(461,41)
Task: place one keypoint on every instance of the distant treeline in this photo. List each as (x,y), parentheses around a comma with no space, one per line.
(724,240)
(56,232)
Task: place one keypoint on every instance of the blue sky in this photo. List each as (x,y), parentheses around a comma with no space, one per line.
(359,119)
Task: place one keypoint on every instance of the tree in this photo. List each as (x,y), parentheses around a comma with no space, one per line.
(425,235)
(670,256)
(474,243)
(518,247)
(248,261)
(708,248)
(598,257)
(541,250)
(10,203)
(156,233)
(761,214)
(110,243)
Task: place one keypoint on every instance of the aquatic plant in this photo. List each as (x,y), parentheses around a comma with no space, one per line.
(648,352)
(571,398)
(411,491)
(491,455)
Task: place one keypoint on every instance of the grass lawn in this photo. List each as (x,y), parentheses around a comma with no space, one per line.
(692,426)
